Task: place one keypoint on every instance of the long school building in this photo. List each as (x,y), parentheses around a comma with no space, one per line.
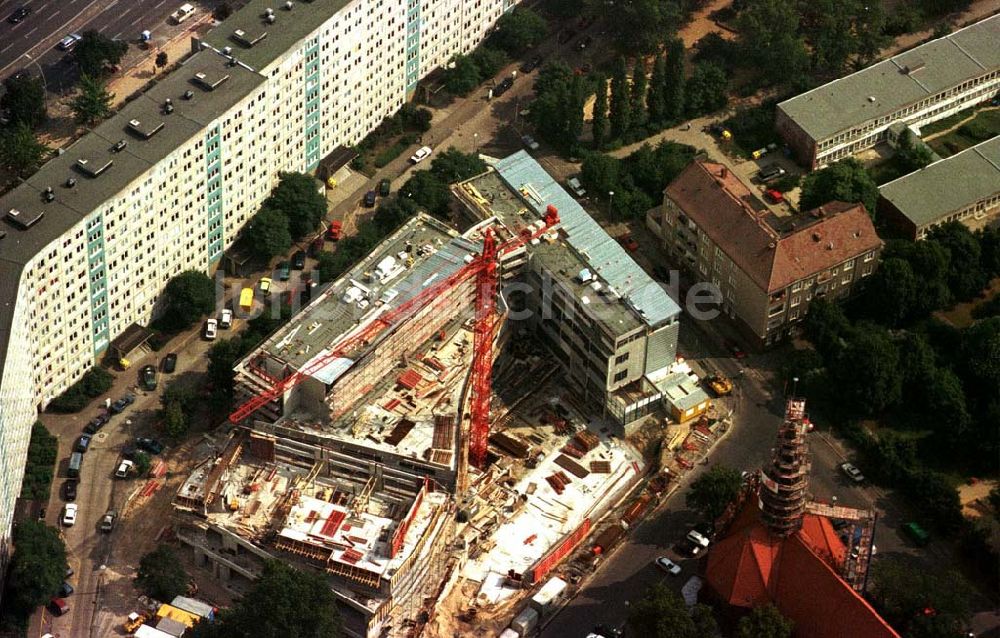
(167,184)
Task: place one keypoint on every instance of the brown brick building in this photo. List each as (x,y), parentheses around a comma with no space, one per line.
(767,268)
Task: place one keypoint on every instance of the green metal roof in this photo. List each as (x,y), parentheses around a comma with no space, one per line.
(927,195)
(256,42)
(887,86)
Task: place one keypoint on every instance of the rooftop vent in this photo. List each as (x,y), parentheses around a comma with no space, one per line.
(227,50)
(209,83)
(70,183)
(829,246)
(168,106)
(91,169)
(268,12)
(23,220)
(817,237)
(249,39)
(48,195)
(188,95)
(871,98)
(144,130)
(119,146)
(271,18)
(914,66)
(288,5)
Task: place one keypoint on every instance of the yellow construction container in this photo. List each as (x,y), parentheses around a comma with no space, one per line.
(169,611)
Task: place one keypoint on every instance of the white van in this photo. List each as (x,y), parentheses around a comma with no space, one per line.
(226,319)
(182,14)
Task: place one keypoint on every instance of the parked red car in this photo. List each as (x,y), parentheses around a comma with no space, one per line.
(335,230)
(773,196)
(629,243)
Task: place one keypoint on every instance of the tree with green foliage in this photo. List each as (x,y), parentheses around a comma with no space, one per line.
(712,492)
(599,123)
(575,99)
(162,59)
(282,602)
(662,613)
(911,153)
(38,470)
(488,61)
(764,621)
(222,11)
(839,30)
(867,374)
(601,173)
(519,30)
(94,52)
(175,421)
(429,192)
(267,234)
(462,77)
(656,106)
(966,277)
(640,86)
(846,181)
(187,298)
(299,198)
(222,356)
(673,87)
(142,464)
(705,91)
(161,574)
(93,383)
(453,165)
(37,567)
(21,153)
(93,104)
(902,590)
(24,100)
(639,26)
(890,295)
(770,41)
(620,115)
(557,109)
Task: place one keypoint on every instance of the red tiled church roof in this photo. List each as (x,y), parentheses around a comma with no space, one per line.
(750,567)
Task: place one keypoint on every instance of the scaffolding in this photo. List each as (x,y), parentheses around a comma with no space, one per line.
(785,482)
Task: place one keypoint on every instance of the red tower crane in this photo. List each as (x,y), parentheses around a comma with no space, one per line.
(485,269)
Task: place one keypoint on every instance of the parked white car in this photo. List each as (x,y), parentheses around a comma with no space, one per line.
(422,153)
(226,319)
(124,468)
(696,538)
(211,329)
(69,514)
(576,187)
(852,472)
(668,565)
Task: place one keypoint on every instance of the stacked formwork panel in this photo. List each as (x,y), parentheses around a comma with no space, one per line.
(785,482)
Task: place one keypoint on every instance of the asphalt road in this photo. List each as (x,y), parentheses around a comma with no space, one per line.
(31,44)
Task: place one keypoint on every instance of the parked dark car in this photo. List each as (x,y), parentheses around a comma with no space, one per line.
(119,406)
(150,445)
(299,260)
(65,590)
(96,424)
(82,443)
(370,199)
(531,64)
(19,14)
(69,490)
(384,188)
(170,362)
(502,88)
(58,606)
(283,271)
(148,377)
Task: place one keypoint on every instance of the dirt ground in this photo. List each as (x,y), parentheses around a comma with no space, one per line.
(960,315)
(973,497)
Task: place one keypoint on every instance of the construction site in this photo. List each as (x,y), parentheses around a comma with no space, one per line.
(449,417)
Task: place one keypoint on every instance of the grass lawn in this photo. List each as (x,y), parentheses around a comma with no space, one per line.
(945,124)
(886,171)
(984,126)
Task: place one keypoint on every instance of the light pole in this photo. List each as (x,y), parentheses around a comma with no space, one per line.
(611,203)
(475,142)
(45,86)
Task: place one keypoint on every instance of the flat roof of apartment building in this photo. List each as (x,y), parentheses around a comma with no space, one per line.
(519,190)
(100,166)
(257,40)
(947,185)
(906,78)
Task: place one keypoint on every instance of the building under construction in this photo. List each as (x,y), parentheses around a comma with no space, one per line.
(361,445)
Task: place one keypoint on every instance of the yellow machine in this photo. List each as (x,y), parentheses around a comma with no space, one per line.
(719,384)
(133,622)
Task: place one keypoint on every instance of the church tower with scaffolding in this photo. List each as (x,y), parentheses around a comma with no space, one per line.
(785,482)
